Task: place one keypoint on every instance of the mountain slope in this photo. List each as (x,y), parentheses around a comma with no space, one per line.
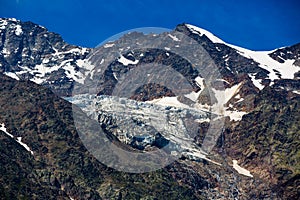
(30,52)
(60,164)
(256,154)
(267,141)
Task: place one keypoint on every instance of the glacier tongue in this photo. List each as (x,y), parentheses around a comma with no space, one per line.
(142,124)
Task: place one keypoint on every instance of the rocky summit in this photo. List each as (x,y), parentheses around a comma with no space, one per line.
(31,52)
(229,114)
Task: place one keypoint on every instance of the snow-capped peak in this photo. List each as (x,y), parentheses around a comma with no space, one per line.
(277,70)
(202,32)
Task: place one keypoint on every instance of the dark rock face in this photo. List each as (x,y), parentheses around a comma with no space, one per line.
(151,91)
(232,65)
(288,84)
(18,177)
(144,56)
(24,46)
(267,141)
(282,54)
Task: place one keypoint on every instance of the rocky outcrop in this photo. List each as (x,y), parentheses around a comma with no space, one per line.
(30,52)
(267,141)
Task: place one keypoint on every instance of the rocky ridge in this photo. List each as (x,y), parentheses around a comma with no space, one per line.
(30,52)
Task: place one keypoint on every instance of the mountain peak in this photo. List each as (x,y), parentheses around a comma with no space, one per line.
(257,95)
(29,51)
(201,32)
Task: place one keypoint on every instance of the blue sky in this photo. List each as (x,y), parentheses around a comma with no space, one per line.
(254,24)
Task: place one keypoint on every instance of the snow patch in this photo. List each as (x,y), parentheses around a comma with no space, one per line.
(19,140)
(198,154)
(202,32)
(81,63)
(40,71)
(45,60)
(126,61)
(194,95)
(43,69)
(234,115)
(5,52)
(73,74)
(102,60)
(223,80)
(168,101)
(38,80)
(3,128)
(75,51)
(256,82)
(240,100)
(108,45)
(202,120)
(3,24)
(296,92)
(12,19)
(173,37)
(12,75)
(286,70)
(241,170)
(18,30)
(200,82)
(115,75)
(223,96)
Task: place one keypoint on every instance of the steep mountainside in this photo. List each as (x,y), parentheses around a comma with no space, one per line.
(250,98)
(59,165)
(267,141)
(42,157)
(30,52)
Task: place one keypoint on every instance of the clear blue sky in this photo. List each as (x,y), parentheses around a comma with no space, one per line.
(254,24)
